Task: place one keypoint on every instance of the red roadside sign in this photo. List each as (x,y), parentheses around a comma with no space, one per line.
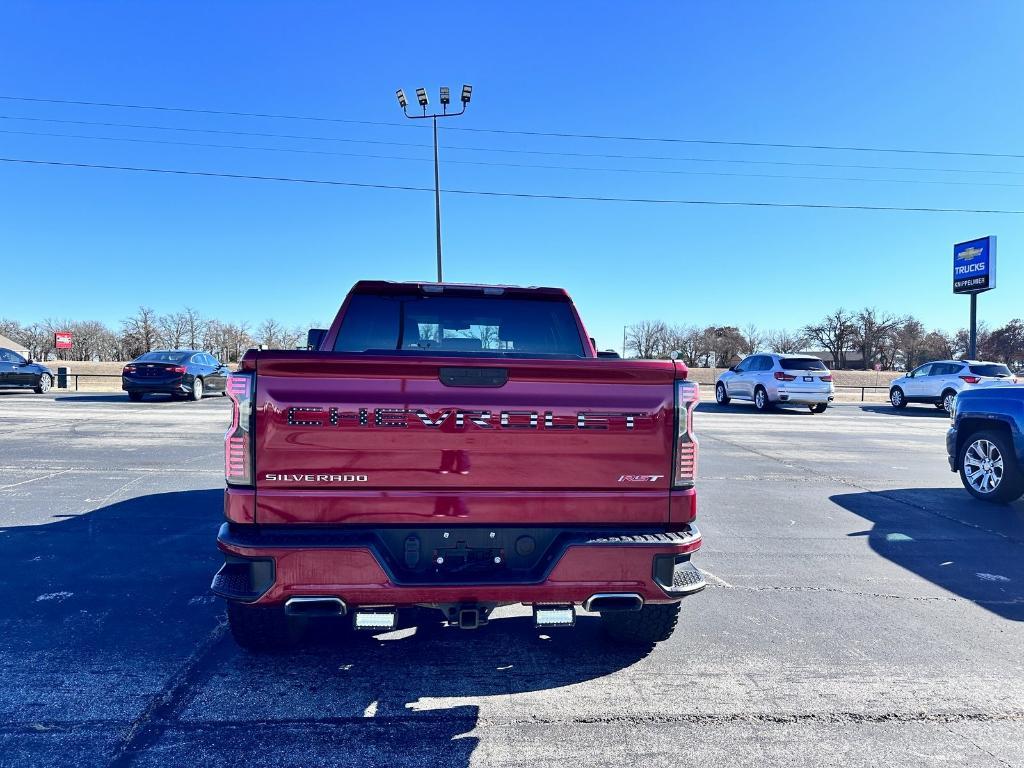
(62,339)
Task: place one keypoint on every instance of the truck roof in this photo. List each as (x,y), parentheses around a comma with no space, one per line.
(395,287)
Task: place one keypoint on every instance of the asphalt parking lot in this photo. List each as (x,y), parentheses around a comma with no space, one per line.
(862,610)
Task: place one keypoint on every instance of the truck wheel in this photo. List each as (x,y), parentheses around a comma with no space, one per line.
(761,401)
(260,628)
(720,394)
(989,469)
(651,624)
(897,398)
(197,390)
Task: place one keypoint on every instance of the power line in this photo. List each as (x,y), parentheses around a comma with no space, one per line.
(496,193)
(546,134)
(197,111)
(657,171)
(500,150)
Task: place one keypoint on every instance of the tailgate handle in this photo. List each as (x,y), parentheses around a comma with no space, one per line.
(473,377)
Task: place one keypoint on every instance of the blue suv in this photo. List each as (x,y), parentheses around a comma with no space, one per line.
(985,442)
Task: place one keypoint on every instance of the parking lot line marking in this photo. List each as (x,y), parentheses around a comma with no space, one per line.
(33,479)
(721,582)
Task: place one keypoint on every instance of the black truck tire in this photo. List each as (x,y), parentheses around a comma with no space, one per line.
(259,628)
(1011,483)
(651,624)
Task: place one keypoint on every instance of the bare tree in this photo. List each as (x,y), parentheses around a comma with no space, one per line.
(139,332)
(835,334)
(873,335)
(648,339)
(195,328)
(785,342)
(171,330)
(752,339)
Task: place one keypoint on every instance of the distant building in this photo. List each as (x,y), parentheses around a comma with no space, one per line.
(11,344)
(852,359)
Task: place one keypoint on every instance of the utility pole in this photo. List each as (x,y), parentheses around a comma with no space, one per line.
(445,99)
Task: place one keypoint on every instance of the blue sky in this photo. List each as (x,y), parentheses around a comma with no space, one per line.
(94,244)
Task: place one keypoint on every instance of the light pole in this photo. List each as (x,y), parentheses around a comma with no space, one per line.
(445,99)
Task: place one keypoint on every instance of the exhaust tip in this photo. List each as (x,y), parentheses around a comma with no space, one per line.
(376,620)
(315,606)
(625,601)
(554,616)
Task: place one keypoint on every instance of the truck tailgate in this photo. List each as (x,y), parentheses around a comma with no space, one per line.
(389,439)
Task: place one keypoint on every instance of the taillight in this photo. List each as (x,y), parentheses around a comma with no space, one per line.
(178,369)
(128,369)
(971,379)
(826,378)
(685,469)
(238,438)
(780,376)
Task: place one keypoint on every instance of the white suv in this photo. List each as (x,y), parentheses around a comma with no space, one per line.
(939,382)
(768,379)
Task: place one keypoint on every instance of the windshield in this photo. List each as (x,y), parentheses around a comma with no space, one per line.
(802,364)
(459,325)
(990,369)
(163,357)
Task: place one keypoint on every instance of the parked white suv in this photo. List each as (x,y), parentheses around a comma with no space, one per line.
(939,382)
(768,379)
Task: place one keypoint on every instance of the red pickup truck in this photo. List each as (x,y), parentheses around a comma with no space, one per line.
(457,447)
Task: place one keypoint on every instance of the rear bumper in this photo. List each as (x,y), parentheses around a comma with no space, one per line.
(268,566)
(165,386)
(803,398)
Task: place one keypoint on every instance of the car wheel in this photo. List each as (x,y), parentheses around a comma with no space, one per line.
(45,382)
(761,401)
(721,396)
(651,624)
(897,398)
(261,628)
(197,390)
(989,468)
(819,408)
(135,397)
(947,400)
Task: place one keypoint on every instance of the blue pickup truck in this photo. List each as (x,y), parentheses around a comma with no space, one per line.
(985,442)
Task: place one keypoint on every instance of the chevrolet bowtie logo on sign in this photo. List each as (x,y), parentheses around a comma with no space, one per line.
(969,253)
(974,265)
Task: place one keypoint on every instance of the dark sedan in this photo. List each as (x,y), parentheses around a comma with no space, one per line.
(16,371)
(176,372)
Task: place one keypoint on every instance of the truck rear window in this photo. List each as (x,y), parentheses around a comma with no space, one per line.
(802,364)
(990,369)
(468,325)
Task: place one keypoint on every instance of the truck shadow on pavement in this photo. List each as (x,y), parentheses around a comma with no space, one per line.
(115,652)
(970,548)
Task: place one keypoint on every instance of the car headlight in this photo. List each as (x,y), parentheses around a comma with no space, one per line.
(952,411)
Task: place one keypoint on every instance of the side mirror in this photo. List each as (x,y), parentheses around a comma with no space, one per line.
(732,369)
(315,337)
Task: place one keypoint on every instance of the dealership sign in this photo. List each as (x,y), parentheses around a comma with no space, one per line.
(974,265)
(62,340)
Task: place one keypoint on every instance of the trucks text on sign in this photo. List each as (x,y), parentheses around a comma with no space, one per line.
(974,265)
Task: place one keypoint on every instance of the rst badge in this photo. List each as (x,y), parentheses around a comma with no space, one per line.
(640,478)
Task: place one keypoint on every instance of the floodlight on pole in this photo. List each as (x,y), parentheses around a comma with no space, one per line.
(445,98)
